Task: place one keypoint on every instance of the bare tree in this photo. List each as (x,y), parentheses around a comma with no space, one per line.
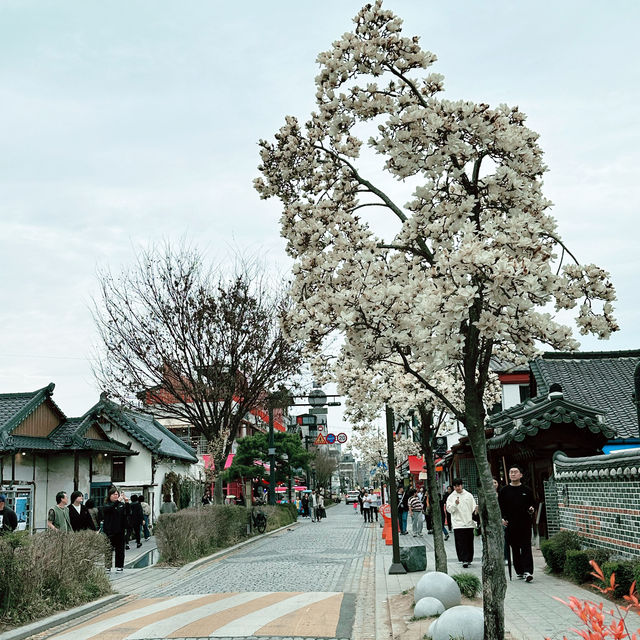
(192,343)
(325,466)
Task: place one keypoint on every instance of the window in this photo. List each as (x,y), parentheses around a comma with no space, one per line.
(525,392)
(117,470)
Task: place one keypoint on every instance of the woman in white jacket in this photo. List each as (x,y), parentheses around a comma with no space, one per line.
(462,505)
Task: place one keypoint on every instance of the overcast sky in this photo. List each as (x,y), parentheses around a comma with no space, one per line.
(128,123)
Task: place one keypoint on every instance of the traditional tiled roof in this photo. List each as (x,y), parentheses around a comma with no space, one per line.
(601,380)
(16,407)
(68,436)
(624,465)
(144,428)
(526,419)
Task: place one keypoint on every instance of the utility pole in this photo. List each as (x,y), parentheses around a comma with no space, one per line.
(272,456)
(396,567)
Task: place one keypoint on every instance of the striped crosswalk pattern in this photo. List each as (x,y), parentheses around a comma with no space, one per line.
(218,615)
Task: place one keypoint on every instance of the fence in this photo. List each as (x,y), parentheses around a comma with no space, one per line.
(599,497)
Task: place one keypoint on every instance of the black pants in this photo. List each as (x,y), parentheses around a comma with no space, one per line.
(117,545)
(367,515)
(464,544)
(374,511)
(520,543)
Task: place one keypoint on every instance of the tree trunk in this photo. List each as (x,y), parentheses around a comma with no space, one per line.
(218,497)
(494,583)
(426,421)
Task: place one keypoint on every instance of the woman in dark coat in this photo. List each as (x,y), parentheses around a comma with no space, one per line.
(78,513)
(114,525)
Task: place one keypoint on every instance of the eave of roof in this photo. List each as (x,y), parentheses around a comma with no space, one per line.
(528,418)
(36,399)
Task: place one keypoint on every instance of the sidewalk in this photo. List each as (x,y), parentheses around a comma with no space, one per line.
(531,612)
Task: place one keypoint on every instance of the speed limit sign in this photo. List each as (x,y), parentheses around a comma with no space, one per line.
(341,438)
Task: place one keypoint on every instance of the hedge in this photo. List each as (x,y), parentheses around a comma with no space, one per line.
(626,572)
(194,533)
(49,571)
(555,549)
(577,567)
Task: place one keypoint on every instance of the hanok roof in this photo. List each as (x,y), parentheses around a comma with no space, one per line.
(601,380)
(527,418)
(69,435)
(144,428)
(596,394)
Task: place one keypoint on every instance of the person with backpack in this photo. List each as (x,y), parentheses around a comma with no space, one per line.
(146,513)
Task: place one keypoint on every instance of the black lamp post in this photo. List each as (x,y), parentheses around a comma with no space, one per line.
(396,567)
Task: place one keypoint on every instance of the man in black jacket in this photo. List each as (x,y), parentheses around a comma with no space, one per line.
(78,513)
(517,506)
(135,511)
(8,517)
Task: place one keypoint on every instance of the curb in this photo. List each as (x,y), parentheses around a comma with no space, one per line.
(56,619)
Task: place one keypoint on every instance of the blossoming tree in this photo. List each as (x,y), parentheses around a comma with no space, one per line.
(470,264)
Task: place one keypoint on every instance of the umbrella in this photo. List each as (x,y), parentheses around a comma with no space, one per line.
(299,488)
(230,495)
(281,489)
(506,541)
(307,491)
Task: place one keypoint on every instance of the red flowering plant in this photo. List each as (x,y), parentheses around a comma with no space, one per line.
(593,615)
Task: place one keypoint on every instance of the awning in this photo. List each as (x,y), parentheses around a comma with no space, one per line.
(416,464)
(208,461)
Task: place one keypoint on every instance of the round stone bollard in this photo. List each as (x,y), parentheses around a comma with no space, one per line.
(441,586)
(462,622)
(428,607)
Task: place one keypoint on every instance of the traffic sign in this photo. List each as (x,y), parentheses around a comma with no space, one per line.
(331,438)
(320,439)
(320,411)
(341,438)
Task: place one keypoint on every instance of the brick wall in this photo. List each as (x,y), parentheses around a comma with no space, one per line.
(599,497)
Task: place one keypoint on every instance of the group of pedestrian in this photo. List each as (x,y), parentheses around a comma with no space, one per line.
(517,506)
(121,519)
(369,503)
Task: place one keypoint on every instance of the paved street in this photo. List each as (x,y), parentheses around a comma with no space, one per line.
(299,582)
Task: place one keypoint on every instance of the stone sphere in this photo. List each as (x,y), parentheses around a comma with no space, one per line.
(463,622)
(428,607)
(441,586)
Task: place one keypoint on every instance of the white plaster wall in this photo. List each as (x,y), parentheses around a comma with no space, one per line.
(510,395)
(137,468)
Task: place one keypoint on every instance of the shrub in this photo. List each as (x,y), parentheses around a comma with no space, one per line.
(555,549)
(48,571)
(194,533)
(469,584)
(624,575)
(577,564)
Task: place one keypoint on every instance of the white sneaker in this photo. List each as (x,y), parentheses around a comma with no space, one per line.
(528,577)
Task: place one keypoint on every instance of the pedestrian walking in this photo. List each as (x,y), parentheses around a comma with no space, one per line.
(447,515)
(375,503)
(114,526)
(168,506)
(361,502)
(403,510)
(317,504)
(94,513)
(8,517)
(58,516)
(517,506)
(444,515)
(366,507)
(146,514)
(416,513)
(305,505)
(462,505)
(206,499)
(136,518)
(78,515)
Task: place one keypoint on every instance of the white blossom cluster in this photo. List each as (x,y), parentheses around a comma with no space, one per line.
(473,270)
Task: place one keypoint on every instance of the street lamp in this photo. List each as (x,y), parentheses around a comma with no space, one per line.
(396,567)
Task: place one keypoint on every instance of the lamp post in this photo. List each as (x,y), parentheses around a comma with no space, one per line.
(396,567)
(272,456)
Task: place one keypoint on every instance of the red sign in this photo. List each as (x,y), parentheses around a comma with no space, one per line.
(385,510)
(320,439)
(342,438)
(331,438)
